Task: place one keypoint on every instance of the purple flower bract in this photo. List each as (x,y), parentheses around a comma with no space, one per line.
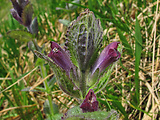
(109,55)
(60,57)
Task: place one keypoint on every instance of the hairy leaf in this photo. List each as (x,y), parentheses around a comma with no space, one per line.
(27,14)
(20,35)
(76,114)
(84,37)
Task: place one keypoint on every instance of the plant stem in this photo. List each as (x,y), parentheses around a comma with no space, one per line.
(83,83)
(36,45)
(43,73)
(69,14)
(47,89)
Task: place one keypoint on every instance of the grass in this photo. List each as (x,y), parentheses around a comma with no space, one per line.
(133,89)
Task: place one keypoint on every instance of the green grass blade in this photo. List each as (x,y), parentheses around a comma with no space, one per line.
(125,42)
(138,50)
(119,106)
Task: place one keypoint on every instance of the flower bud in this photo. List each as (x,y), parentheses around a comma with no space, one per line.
(22,12)
(109,55)
(90,103)
(60,57)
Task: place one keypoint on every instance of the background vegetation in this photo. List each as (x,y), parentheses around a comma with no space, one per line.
(134,86)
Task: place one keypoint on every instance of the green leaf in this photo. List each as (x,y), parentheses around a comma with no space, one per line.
(37,89)
(46,108)
(20,35)
(92,81)
(84,38)
(71,6)
(27,14)
(76,114)
(125,42)
(119,106)
(34,26)
(55,117)
(104,79)
(52,82)
(28,89)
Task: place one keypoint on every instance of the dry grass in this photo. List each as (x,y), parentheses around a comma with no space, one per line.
(149,73)
(149,69)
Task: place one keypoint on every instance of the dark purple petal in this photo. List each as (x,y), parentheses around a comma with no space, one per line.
(90,103)
(17,7)
(60,57)
(16,16)
(109,55)
(95,105)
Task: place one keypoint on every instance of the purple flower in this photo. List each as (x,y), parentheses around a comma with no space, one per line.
(109,55)
(60,57)
(22,11)
(90,103)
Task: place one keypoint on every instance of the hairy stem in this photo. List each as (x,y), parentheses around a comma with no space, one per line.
(43,73)
(83,83)
(47,89)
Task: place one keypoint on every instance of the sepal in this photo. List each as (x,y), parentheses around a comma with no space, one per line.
(103,80)
(34,26)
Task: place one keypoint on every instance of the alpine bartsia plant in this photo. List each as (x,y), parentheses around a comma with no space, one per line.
(79,67)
